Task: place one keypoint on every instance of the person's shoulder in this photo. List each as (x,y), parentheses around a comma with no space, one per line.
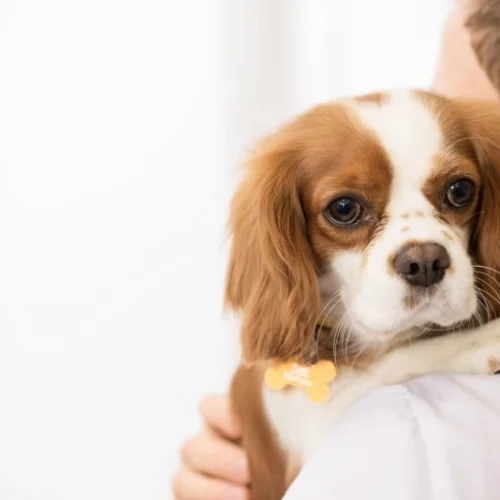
(411,442)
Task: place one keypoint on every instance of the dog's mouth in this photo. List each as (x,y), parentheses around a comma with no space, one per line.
(428,311)
(420,297)
(408,332)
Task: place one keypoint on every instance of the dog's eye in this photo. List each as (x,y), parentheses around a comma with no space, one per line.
(344,211)
(460,193)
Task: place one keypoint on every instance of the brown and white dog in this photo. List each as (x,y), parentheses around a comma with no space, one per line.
(381,214)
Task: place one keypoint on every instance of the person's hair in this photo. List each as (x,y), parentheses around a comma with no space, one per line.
(484,28)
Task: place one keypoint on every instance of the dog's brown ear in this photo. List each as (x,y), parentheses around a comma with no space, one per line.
(272,278)
(482,119)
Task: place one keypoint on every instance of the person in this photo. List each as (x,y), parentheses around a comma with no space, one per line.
(214,465)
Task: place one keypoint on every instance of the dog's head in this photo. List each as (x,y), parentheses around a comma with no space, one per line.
(382,212)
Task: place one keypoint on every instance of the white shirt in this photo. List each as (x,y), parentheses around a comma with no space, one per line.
(436,437)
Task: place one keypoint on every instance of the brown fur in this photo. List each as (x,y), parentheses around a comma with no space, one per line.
(265,458)
(375,97)
(447,170)
(370,182)
(272,276)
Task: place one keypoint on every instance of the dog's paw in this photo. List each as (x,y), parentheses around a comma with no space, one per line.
(481,358)
(494,365)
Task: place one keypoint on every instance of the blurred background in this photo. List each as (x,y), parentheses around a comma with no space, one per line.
(122,123)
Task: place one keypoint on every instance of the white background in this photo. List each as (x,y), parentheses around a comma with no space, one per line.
(121,126)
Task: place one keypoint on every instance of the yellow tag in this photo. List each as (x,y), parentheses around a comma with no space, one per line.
(313,378)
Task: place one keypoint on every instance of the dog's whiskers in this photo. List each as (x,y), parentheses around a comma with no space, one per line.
(488,290)
(347,339)
(336,337)
(325,311)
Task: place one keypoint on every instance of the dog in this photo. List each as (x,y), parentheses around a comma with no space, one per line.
(365,251)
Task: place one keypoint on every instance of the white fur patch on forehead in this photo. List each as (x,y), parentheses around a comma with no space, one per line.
(407,130)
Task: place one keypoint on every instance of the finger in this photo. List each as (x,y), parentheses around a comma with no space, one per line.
(217,412)
(211,455)
(188,485)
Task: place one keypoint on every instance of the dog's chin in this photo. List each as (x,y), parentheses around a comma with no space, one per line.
(384,340)
(379,338)
(447,314)
(426,319)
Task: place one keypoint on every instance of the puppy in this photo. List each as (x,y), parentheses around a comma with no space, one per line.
(365,234)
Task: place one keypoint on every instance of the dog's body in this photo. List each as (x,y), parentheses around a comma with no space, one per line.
(375,214)
(282,429)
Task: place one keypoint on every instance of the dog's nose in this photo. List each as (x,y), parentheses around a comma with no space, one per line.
(422,264)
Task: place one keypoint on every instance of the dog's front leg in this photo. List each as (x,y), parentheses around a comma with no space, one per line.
(475,351)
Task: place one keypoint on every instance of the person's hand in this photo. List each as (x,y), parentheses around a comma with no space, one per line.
(213,466)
